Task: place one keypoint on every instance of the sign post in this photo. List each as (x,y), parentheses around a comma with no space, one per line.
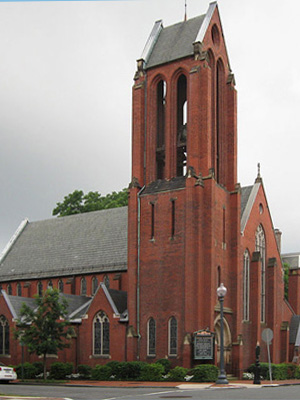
(267,336)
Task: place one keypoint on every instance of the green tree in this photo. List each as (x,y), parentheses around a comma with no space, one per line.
(44,329)
(286,269)
(78,202)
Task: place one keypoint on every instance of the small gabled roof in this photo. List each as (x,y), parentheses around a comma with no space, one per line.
(248,196)
(294,330)
(77,305)
(176,41)
(83,243)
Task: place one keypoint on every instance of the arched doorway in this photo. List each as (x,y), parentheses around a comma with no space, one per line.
(227,343)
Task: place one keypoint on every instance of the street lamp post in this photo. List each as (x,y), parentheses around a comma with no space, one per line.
(221,292)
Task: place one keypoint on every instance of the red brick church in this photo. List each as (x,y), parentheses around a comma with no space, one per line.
(141,280)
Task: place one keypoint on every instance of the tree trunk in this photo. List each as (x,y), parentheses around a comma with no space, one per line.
(45,367)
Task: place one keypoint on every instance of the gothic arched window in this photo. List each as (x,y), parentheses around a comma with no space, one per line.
(260,245)
(60,286)
(9,289)
(101,334)
(246,285)
(50,285)
(181,125)
(160,128)
(19,289)
(94,284)
(83,286)
(172,336)
(4,335)
(151,343)
(106,281)
(40,289)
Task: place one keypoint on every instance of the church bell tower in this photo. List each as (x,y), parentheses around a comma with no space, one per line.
(183,189)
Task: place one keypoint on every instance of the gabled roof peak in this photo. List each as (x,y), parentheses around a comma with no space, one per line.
(175,41)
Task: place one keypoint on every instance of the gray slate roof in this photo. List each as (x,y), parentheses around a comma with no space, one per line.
(119,297)
(294,327)
(77,305)
(175,42)
(82,243)
(163,185)
(245,193)
(293,259)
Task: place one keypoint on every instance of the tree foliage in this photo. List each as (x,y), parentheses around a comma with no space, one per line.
(44,329)
(286,269)
(78,202)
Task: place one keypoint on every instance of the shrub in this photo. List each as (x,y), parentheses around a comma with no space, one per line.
(101,373)
(177,374)
(165,363)
(84,371)
(29,371)
(151,372)
(60,370)
(115,366)
(291,370)
(279,371)
(39,367)
(129,370)
(264,370)
(204,373)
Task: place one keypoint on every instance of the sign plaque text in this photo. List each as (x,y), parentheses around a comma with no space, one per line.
(204,345)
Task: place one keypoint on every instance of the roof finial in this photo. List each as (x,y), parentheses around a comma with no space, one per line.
(258,178)
(185,6)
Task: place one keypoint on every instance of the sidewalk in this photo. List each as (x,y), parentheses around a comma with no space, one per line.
(182,385)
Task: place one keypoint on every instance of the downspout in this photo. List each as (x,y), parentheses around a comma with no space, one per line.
(138,273)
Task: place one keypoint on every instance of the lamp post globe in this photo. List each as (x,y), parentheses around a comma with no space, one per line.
(221,292)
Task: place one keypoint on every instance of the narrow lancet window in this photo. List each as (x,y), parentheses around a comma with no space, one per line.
(173,219)
(160,129)
(260,245)
(151,337)
(219,115)
(173,336)
(246,285)
(181,125)
(4,335)
(152,221)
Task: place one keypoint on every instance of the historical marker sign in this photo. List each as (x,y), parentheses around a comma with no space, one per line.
(204,345)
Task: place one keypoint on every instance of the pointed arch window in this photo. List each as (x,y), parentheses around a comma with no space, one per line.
(19,289)
(83,286)
(151,342)
(181,125)
(50,285)
(60,286)
(173,336)
(94,285)
(40,289)
(101,334)
(160,128)
(9,289)
(260,245)
(246,285)
(106,281)
(220,82)
(4,335)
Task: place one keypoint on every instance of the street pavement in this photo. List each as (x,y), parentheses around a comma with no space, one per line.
(134,384)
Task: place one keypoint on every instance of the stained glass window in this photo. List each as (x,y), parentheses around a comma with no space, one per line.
(4,335)
(173,336)
(101,334)
(151,337)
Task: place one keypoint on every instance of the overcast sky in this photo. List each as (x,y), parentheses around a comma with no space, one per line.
(66,72)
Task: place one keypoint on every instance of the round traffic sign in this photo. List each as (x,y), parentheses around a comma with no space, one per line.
(267,335)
